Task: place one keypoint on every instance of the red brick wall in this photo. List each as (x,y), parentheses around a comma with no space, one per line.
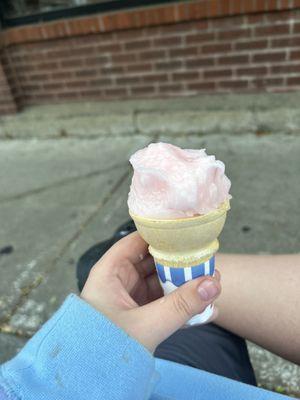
(7,101)
(176,50)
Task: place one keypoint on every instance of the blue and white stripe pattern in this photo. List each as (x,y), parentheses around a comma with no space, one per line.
(171,278)
(178,276)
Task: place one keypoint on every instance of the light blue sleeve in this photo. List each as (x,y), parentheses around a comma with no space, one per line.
(79,354)
(180,382)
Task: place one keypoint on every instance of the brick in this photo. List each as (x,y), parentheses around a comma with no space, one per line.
(128,80)
(98,60)
(226,23)
(120,92)
(47,66)
(68,95)
(200,37)
(201,25)
(182,11)
(250,6)
(168,65)
(108,48)
(272,30)
(216,48)
(269,57)
(185,51)
(143,90)
(52,86)
(199,62)
(255,19)
(238,84)
(72,63)
(130,34)
(168,41)
(86,72)
(239,59)
(21,68)
(83,51)
(112,70)
(217,73)
(30,87)
(100,82)
(97,40)
(296,28)
(198,10)
(286,42)
(202,86)
(170,88)
(225,6)
(251,71)
(124,20)
(177,28)
(234,34)
(76,84)
(266,82)
(293,80)
(152,55)
(185,76)
(281,16)
(138,45)
(155,78)
(58,53)
(295,55)
(252,45)
(38,77)
(285,69)
(124,58)
(213,8)
(89,25)
(139,68)
(61,75)
(91,93)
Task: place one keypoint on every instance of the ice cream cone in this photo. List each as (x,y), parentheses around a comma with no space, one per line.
(183,249)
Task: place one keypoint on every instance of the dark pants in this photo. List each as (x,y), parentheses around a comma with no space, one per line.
(210,348)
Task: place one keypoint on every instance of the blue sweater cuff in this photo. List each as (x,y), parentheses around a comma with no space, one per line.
(80,354)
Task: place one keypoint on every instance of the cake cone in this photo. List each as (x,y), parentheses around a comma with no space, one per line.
(183,249)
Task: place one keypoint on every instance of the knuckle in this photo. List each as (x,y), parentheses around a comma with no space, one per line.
(181,305)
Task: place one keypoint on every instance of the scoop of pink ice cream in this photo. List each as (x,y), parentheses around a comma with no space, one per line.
(169,182)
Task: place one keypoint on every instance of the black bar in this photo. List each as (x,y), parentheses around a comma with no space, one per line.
(113,5)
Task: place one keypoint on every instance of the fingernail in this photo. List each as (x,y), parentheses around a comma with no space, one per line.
(208,290)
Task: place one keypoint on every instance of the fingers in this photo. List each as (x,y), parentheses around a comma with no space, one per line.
(154,288)
(131,247)
(164,316)
(217,275)
(146,267)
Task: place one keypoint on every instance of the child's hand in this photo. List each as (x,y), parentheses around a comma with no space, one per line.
(124,286)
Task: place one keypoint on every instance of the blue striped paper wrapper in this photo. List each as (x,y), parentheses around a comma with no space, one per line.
(173,277)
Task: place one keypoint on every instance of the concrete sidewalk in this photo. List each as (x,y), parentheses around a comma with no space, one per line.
(61,195)
(200,115)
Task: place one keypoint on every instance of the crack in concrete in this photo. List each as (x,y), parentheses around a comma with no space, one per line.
(89,219)
(60,183)
(26,291)
(67,135)
(4,326)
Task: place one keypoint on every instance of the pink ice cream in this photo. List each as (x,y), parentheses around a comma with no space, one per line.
(169,182)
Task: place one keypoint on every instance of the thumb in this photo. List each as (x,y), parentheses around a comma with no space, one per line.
(164,316)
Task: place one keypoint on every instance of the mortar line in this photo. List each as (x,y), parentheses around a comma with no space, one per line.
(60,183)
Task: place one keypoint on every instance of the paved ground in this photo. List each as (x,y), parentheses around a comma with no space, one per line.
(61,194)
